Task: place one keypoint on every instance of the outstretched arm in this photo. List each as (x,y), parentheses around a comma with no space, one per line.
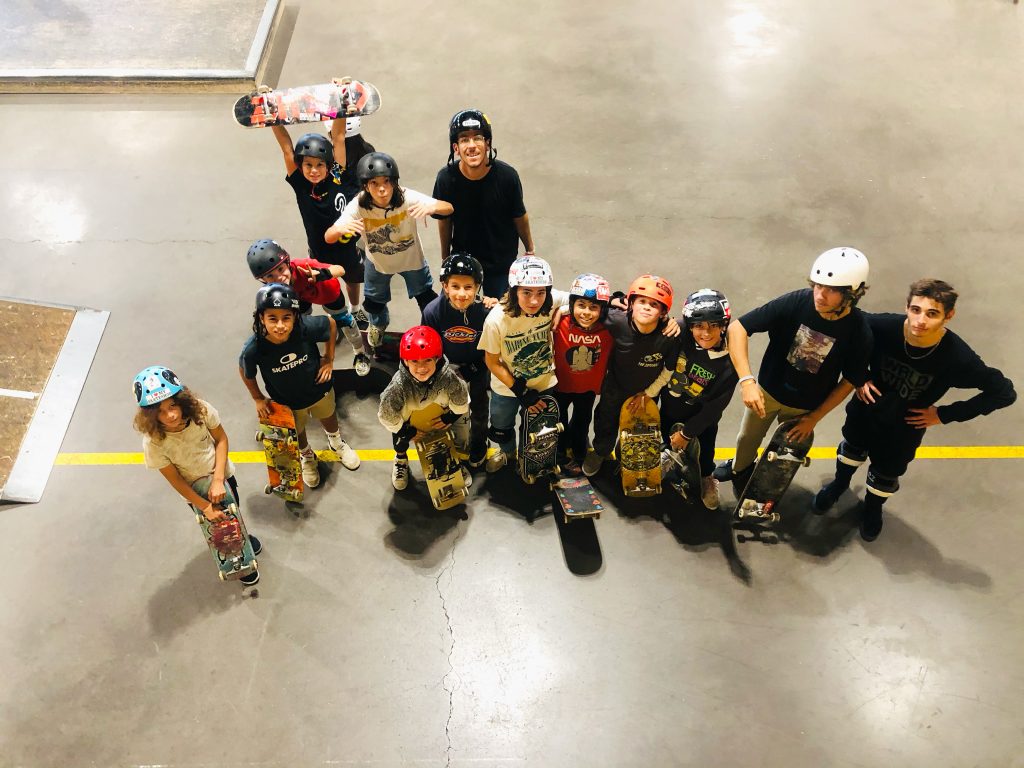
(285,142)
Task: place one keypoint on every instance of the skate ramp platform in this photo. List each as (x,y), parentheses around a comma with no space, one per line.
(75,46)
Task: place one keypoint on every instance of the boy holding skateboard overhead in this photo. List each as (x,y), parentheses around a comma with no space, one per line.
(321,173)
(818,348)
(313,282)
(916,359)
(423,378)
(702,383)
(490,217)
(284,349)
(516,342)
(646,346)
(458,316)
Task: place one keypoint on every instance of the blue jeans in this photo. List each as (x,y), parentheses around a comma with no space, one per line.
(503,416)
(377,288)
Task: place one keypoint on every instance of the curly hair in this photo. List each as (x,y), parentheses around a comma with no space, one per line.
(510,303)
(192,410)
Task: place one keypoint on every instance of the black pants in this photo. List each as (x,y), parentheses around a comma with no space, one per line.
(577,428)
(889,443)
(606,418)
(478,378)
(675,410)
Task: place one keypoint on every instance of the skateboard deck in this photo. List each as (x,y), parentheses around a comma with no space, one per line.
(436,452)
(577,497)
(538,440)
(388,349)
(640,450)
(757,507)
(281,446)
(306,104)
(684,470)
(227,539)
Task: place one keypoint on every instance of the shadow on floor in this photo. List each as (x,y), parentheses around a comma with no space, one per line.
(418,526)
(506,491)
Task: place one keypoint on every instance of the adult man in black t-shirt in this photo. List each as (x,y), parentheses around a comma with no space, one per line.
(490,218)
(818,348)
(914,362)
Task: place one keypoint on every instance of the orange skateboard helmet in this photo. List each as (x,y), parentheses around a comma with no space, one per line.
(653,287)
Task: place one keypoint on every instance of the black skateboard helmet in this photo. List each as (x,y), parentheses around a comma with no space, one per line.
(264,255)
(706,306)
(470,120)
(376,164)
(276,296)
(314,145)
(462,264)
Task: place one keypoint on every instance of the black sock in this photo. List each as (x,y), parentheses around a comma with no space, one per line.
(844,473)
(873,503)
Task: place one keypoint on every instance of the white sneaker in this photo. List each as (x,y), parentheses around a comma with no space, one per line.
(310,469)
(400,474)
(467,478)
(709,492)
(375,335)
(496,461)
(349,458)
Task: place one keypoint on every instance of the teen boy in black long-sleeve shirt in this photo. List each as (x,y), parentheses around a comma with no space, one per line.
(915,361)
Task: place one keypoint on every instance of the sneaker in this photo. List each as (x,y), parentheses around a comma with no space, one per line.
(572,468)
(349,458)
(709,492)
(251,579)
(310,469)
(467,478)
(400,474)
(257,547)
(477,457)
(826,498)
(723,471)
(497,460)
(362,319)
(592,464)
(870,521)
(374,335)
(361,363)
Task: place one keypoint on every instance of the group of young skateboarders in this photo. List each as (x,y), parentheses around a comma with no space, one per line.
(500,342)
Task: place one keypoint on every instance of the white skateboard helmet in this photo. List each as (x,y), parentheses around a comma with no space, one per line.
(530,272)
(841,267)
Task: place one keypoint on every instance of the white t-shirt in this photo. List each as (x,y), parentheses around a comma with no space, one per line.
(192,451)
(391,240)
(524,345)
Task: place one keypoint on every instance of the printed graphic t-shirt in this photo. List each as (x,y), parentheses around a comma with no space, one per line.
(581,356)
(392,243)
(289,370)
(191,451)
(320,207)
(807,354)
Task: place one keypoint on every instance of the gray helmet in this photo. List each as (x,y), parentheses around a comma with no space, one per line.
(314,145)
(276,296)
(376,164)
(264,255)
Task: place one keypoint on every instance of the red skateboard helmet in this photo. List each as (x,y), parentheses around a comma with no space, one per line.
(420,342)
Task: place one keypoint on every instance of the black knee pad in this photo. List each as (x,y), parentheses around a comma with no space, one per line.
(370,305)
(422,299)
(882,485)
(851,454)
(501,435)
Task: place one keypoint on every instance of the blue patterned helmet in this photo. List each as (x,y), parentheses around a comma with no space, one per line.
(155,384)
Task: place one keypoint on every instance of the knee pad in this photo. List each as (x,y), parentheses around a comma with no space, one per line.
(422,299)
(343,318)
(851,455)
(501,435)
(372,305)
(882,485)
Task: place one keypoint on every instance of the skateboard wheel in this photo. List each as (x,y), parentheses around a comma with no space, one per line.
(222,576)
(807,461)
(259,437)
(268,490)
(772,456)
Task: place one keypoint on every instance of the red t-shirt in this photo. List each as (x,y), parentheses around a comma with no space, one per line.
(326,292)
(581,356)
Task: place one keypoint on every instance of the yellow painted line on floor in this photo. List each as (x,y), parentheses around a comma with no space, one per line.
(256,457)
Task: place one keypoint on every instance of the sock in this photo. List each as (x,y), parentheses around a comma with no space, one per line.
(844,473)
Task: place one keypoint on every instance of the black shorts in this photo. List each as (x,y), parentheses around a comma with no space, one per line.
(349,258)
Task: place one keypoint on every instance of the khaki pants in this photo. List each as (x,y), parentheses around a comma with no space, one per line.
(753,429)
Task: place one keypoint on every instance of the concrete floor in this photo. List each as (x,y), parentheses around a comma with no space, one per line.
(719,143)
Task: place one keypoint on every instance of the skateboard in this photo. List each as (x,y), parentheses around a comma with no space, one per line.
(577,497)
(757,506)
(227,538)
(436,451)
(281,446)
(640,450)
(685,467)
(538,440)
(306,104)
(388,349)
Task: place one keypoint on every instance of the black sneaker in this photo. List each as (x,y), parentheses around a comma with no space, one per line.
(251,579)
(870,523)
(257,547)
(826,498)
(739,479)
(477,457)
(723,471)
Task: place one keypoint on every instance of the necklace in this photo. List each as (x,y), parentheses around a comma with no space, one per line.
(932,348)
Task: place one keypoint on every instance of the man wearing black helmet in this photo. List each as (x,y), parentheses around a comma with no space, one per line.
(490,217)
(458,315)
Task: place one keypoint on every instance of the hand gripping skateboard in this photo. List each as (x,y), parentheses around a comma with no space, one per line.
(281,446)
(436,452)
(307,104)
(577,497)
(640,450)
(757,506)
(227,538)
(538,440)
(683,470)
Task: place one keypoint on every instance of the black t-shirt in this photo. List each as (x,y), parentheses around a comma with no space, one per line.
(460,331)
(701,386)
(482,224)
(320,207)
(289,370)
(637,358)
(915,377)
(806,353)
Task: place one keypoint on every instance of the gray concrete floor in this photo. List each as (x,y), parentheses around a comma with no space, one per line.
(719,143)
